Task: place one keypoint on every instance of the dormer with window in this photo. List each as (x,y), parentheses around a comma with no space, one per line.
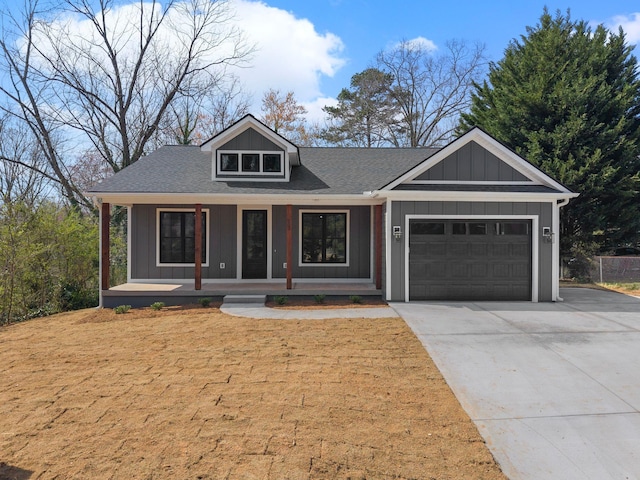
(250,151)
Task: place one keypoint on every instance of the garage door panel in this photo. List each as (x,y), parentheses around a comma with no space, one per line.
(479,249)
(458,249)
(470,260)
(479,270)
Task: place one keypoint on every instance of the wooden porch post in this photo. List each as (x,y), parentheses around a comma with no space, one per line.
(289,246)
(378,232)
(105,214)
(198,247)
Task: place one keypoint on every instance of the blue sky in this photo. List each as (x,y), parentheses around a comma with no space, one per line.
(314,47)
(364,27)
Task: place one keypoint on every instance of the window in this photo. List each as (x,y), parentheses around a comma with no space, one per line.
(459,228)
(477,228)
(250,162)
(427,228)
(512,228)
(176,237)
(245,163)
(229,162)
(272,163)
(324,237)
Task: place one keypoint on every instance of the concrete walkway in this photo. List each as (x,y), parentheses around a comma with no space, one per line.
(253,311)
(553,388)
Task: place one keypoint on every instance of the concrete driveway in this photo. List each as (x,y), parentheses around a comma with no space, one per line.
(554,388)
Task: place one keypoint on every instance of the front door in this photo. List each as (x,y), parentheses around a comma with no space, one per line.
(254,244)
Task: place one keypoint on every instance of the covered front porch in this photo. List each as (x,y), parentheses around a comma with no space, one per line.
(144,294)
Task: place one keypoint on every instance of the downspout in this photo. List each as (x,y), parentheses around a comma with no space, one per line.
(556,248)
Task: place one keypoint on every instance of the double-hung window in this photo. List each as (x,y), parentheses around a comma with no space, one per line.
(324,237)
(177,237)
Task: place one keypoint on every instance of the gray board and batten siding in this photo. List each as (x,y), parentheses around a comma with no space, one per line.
(359,244)
(223,244)
(471,210)
(472,162)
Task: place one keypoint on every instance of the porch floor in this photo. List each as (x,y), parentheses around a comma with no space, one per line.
(185,292)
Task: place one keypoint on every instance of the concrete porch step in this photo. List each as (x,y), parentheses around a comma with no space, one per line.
(244,300)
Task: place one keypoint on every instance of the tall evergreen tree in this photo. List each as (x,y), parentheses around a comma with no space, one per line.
(567,98)
(365,113)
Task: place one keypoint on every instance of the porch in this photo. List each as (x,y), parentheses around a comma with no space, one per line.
(144,294)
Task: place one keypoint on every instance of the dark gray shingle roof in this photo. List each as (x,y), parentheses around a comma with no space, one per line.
(330,170)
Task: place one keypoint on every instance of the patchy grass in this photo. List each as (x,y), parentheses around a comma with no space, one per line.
(194,393)
(628,288)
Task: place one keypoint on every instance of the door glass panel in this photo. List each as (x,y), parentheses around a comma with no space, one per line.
(477,228)
(427,228)
(459,228)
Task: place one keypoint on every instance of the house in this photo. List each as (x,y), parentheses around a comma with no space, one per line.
(249,212)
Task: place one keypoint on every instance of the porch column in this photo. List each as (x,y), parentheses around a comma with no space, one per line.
(378,244)
(105,221)
(289,246)
(198,247)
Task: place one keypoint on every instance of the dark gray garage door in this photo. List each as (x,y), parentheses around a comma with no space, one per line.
(469,259)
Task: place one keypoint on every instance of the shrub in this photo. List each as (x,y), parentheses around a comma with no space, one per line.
(319,298)
(157,305)
(74,296)
(355,299)
(122,309)
(205,302)
(281,300)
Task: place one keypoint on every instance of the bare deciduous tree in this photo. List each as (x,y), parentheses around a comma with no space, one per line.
(285,116)
(110,72)
(430,88)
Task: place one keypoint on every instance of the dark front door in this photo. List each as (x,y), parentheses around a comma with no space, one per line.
(254,244)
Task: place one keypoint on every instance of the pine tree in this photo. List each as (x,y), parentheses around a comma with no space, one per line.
(567,98)
(365,113)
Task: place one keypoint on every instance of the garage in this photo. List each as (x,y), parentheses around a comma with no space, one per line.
(470,259)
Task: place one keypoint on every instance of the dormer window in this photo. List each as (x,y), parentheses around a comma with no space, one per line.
(250,163)
(228,162)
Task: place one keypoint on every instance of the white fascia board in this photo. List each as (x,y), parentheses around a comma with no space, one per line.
(409,195)
(241,126)
(490,144)
(226,199)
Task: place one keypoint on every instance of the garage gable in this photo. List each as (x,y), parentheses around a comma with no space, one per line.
(475,158)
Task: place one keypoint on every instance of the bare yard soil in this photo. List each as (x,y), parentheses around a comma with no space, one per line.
(196,394)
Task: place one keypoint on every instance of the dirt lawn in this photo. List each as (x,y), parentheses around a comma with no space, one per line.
(196,394)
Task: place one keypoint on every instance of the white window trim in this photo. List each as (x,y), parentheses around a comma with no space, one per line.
(240,172)
(535,248)
(207,235)
(348,238)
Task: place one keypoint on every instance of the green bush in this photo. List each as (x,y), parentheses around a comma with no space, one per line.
(74,296)
(281,300)
(157,306)
(355,298)
(205,302)
(122,309)
(319,298)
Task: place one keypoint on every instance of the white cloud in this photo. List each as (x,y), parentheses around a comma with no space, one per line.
(629,23)
(418,43)
(290,54)
(314,108)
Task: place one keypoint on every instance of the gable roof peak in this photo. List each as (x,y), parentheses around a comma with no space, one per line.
(246,122)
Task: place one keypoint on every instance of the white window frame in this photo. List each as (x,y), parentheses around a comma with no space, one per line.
(348,237)
(240,172)
(159,210)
